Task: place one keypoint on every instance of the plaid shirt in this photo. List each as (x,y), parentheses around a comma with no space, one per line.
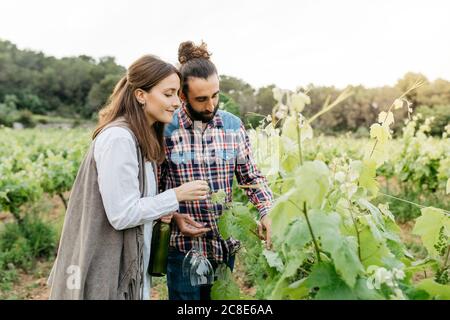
(214,155)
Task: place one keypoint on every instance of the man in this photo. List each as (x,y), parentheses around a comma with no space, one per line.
(205,143)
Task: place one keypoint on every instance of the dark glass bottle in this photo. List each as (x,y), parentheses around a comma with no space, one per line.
(159,249)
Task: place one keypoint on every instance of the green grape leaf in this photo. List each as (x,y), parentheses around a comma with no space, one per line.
(386,118)
(225,224)
(428,226)
(373,251)
(379,132)
(374,211)
(238,223)
(377,151)
(297,290)
(343,249)
(225,288)
(298,101)
(328,283)
(364,293)
(290,131)
(282,214)
(294,259)
(436,290)
(297,234)
(290,128)
(368,175)
(273,260)
(219,197)
(313,182)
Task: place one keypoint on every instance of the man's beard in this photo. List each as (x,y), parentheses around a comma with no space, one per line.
(201,116)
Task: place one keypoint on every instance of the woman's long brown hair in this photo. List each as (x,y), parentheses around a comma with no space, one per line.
(144,73)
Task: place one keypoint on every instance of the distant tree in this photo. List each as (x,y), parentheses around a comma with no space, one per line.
(78,86)
(227,104)
(265,99)
(99,94)
(47,85)
(441,114)
(241,92)
(406,82)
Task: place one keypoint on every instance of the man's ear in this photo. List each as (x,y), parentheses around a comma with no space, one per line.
(140,95)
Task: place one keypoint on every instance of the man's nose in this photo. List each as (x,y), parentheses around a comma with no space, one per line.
(210,106)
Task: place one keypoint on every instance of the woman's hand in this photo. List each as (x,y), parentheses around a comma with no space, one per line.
(188,226)
(167,218)
(194,190)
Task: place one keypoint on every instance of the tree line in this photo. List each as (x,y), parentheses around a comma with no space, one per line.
(77,87)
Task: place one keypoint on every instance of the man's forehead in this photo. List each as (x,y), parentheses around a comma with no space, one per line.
(200,86)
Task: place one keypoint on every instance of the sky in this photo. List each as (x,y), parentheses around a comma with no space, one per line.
(286,42)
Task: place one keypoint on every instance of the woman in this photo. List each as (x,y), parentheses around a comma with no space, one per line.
(105,244)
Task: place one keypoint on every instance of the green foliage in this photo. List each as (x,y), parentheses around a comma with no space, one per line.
(312,182)
(45,84)
(219,197)
(15,248)
(265,99)
(41,237)
(227,103)
(79,86)
(433,226)
(224,288)
(333,236)
(237,222)
(331,239)
(25,117)
(435,290)
(327,285)
(440,115)
(21,244)
(33,162)
(99,94)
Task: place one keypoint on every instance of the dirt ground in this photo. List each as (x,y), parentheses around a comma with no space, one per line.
(32,286)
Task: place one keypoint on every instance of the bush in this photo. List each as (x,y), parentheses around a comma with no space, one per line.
(441,114)
(41,237)
(76,123)
(9,113)
(42,120)
(362,132)
(25,117)
(8,110)
(15,248)
(21,244)
(7,275)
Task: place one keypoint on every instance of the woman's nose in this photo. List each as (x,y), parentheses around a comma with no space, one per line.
(176,103)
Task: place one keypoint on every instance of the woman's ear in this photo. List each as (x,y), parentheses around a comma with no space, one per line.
(140,95)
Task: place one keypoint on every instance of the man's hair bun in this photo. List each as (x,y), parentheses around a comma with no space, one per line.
(188,51)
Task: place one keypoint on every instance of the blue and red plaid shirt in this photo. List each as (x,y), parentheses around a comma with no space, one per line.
(216,155)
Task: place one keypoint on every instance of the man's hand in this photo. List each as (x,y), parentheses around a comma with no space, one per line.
(264,230)
(188,226)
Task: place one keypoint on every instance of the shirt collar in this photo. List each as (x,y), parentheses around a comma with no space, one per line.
(186,122)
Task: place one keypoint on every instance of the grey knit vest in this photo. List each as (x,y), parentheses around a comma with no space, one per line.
(94,260)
